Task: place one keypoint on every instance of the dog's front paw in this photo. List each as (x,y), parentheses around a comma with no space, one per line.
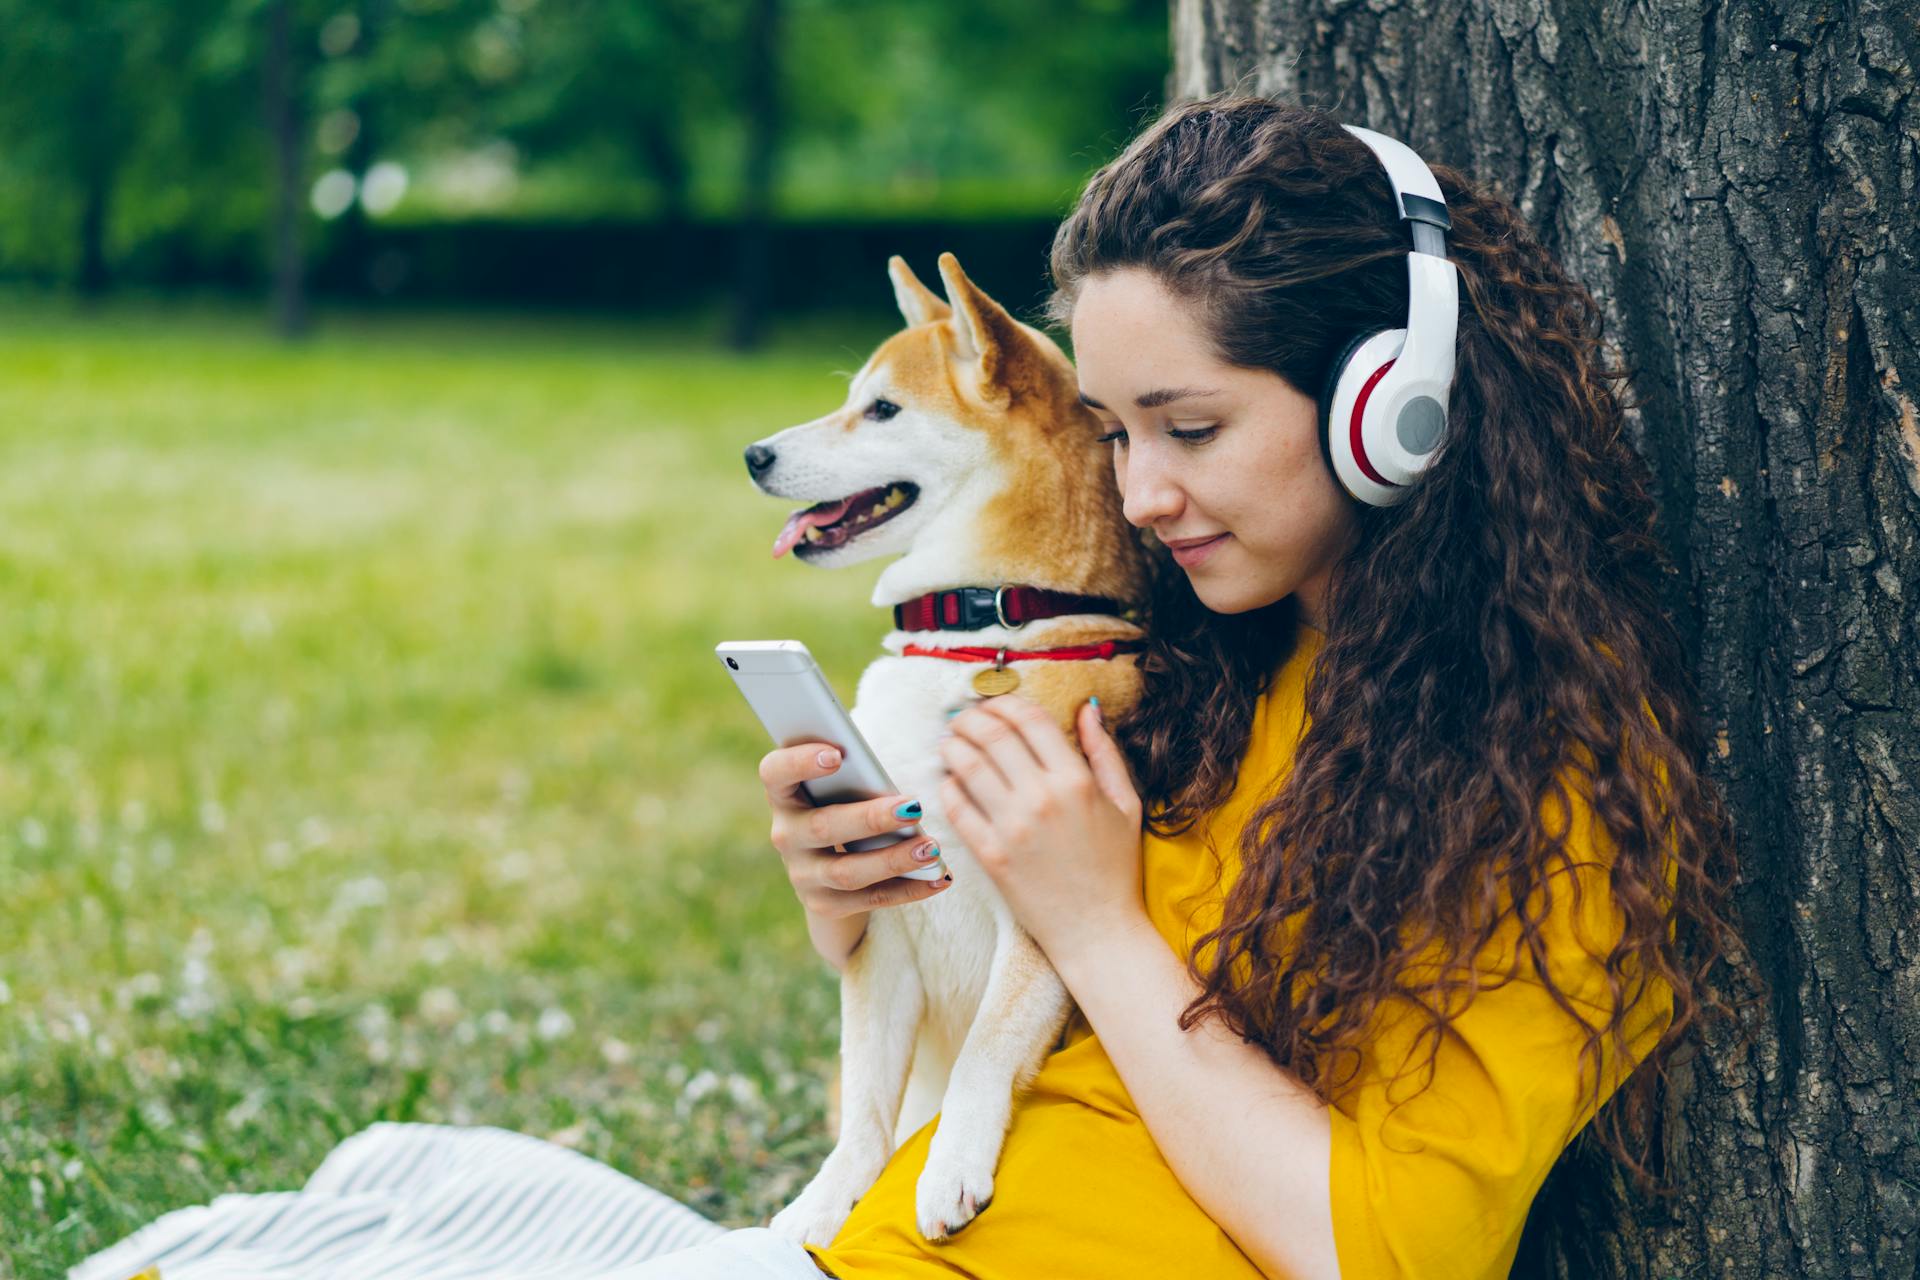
(818,1213)
(953,1189)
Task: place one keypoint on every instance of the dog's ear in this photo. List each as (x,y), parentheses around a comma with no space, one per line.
(984,334)
(918,304)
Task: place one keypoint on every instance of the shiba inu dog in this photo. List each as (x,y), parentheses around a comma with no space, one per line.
(963,450)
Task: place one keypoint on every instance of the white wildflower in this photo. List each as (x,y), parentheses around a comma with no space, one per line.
(366,891)
(439,1006)
(554,1023)
(247,1110)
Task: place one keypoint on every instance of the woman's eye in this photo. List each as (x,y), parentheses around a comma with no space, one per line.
(881,410)
(1194,436)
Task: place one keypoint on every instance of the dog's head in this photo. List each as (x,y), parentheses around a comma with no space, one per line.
(963,448)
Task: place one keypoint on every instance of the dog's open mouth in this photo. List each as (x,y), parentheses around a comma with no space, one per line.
(826,525)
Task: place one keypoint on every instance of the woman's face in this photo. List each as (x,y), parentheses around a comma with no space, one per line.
(1251,476)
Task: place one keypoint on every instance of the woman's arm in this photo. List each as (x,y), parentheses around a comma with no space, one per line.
(1251,1144)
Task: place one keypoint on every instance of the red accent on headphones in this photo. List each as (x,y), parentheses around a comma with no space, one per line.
(1359,446)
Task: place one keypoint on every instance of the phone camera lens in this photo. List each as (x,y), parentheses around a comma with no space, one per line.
(733,664)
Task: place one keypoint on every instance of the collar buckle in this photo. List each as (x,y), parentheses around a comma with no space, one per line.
(1000,609)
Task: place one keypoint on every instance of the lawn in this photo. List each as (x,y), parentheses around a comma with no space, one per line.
(365,756)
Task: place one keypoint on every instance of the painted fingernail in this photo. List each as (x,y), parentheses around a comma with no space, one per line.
(947,878)
(927,852)
(1094,699)
(828,759)
(956,711)
(911,809)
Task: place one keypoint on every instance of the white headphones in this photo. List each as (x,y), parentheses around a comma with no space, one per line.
(1383,408)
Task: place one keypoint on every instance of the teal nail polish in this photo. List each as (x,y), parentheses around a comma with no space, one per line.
(1095,700)
(956,711)
(911,809)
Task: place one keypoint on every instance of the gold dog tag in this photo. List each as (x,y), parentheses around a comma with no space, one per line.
(994,681)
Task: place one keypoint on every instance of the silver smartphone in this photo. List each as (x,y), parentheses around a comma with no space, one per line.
(791,695)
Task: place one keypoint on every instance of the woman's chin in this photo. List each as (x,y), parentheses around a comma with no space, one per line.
(1229,595)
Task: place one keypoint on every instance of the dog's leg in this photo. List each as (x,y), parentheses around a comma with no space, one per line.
(881,1005)
(1021,1014)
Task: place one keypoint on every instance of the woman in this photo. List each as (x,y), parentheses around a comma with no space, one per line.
(1315,1035)
(1368,1062)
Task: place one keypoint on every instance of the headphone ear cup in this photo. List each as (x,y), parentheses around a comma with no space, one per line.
(1331,384)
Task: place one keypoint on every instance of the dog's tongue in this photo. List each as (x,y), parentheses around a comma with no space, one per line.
(799,522)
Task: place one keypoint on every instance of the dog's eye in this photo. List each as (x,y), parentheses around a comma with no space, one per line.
(881,410)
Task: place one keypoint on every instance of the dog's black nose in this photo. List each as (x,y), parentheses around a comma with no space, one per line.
(759,458)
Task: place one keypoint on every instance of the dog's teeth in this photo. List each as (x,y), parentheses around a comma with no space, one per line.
(813,533)
(895,497)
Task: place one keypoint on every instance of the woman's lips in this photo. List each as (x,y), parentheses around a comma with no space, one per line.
(1190,556)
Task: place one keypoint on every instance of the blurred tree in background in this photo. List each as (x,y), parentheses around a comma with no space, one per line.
(362,144)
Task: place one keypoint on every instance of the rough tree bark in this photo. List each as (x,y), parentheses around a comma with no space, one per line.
(1736,185)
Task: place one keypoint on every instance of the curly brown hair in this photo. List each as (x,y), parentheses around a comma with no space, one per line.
(1493,638)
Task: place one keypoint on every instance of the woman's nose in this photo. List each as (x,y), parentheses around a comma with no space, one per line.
(1147,496)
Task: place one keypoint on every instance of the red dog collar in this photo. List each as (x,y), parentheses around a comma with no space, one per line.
(971,608)
(1000,657)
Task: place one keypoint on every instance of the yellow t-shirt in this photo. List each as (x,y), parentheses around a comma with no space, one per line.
(1440,1190)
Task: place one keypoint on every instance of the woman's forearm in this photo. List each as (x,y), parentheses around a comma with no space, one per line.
(835,937)
(1251,1144)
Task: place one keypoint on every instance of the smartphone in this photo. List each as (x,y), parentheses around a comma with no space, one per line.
(788,691)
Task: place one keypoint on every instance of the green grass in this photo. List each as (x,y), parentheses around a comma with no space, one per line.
(365,758)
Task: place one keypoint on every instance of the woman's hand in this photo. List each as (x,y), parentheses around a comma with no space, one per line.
(833,885)
(1058,834)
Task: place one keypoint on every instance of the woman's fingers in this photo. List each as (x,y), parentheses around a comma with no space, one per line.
(888,893)
(841,884)
(833,825)
(855,872)
(804,826)
(783,769)
(985,753)
(1108,762)
(1035,731)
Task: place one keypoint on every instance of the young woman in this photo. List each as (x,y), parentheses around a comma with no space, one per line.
(1400,869)
(1339,1047)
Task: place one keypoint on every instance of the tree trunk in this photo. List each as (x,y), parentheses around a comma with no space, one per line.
(285,122)
(1737,188)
